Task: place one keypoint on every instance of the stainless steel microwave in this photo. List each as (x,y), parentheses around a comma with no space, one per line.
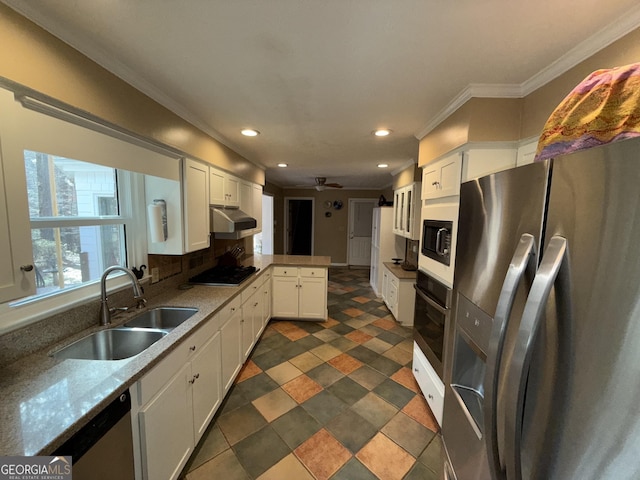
(436,240)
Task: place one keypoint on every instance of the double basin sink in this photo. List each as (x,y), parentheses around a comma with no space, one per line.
(132,338)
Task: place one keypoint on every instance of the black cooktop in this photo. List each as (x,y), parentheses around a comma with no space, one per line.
(223,275)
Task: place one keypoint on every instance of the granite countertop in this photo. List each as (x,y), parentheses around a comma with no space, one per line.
(399,272)
(44,400)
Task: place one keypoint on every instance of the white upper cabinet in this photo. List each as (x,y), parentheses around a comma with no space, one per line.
(406,211)
(196,211)
(187,206)
(442,178)
(17,271)
(479,162)
(527,152)
(224,189)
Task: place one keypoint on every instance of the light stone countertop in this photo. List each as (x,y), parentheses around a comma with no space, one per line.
(44,401)
(399,272)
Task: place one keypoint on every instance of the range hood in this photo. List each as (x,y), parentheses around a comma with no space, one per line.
(227,222)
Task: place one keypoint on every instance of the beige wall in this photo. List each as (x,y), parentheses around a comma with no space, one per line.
(33,58)
(330,233)
(407,176)
(502,119)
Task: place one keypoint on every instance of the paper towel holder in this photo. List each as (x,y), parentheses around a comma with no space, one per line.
(163,207)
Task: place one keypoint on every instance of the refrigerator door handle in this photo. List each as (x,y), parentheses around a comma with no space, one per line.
(524,258)
(553,270)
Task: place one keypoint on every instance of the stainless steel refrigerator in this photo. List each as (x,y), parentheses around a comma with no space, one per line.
(545,347)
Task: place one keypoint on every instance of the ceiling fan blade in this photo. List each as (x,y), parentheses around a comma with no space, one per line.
(333,185)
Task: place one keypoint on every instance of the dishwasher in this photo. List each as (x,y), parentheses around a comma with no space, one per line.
(103,449)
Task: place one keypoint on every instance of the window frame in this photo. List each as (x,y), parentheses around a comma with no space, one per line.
(24,129)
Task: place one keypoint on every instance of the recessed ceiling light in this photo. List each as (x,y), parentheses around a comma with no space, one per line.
(382,132)
(283,165)
(382,165)
(250,132)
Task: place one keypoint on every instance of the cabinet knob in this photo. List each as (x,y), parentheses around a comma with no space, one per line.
(26,268)
(192,348)
(430,397)
(416,370)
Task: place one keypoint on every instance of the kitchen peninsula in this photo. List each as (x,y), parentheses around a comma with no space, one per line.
(45,401)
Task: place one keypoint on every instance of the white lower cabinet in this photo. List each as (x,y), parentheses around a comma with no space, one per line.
(399,296)
(429,382)
(299,292)
(206,381)
(166,429)
(230,336)
(176,400)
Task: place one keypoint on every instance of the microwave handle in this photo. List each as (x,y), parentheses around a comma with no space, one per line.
(439,249)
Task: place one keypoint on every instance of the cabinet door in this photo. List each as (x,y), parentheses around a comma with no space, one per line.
(15,228)
(247,328)
(285,297)
(266,301)
(207,384)
(232,191)
(166,429)
(257,206)
(385,284)
(442,178)
(450,171)
(392,298)
(312,301)
(430,181)
(246,198)
(397,215)
(216,187)
(230,337)
(196,211)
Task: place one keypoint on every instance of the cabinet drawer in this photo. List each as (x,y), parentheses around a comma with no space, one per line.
(429,382)
(153,381)
(229,309)
(313,272)
(285,271)
(252,288)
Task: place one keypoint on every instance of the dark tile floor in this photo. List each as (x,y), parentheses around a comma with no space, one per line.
(332,400)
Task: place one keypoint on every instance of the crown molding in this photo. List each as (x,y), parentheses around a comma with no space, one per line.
(585,49)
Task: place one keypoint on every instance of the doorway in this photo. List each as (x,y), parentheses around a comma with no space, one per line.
(360,222)
(298,239)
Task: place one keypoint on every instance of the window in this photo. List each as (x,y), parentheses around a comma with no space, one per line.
(77,229)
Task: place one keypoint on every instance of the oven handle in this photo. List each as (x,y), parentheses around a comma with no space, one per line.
(553,272)
(523,259)
(437,306)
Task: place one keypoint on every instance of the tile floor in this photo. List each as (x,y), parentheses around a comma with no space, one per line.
(332,400)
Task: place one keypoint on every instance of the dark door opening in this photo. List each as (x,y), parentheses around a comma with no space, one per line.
(300,226)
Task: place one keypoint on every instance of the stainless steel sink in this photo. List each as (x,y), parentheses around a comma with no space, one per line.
(111,344)
(164,318)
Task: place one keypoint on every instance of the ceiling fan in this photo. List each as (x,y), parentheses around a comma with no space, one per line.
(321,184)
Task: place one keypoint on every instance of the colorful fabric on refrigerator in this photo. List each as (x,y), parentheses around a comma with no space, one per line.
(603,108)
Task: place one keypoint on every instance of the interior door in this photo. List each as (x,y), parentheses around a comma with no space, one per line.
(299,227)
(360,222)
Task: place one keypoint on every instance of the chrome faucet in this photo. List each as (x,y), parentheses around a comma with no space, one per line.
(105,311)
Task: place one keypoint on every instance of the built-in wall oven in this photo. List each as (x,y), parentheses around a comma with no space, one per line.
(432,310)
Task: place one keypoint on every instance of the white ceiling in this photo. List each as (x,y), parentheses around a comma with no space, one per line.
(316,77)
